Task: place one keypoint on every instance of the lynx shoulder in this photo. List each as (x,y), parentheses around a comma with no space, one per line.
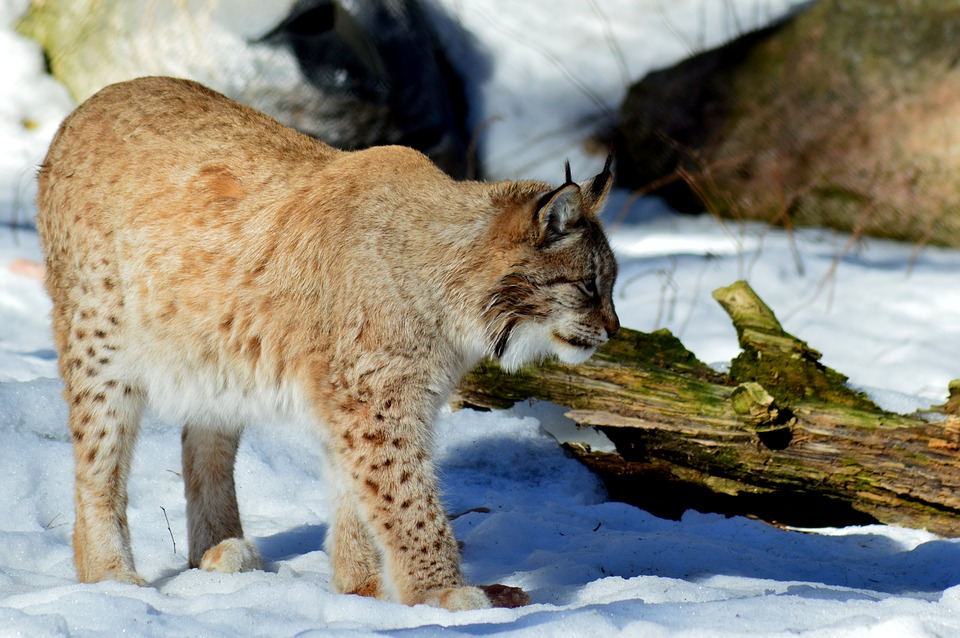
(228,271)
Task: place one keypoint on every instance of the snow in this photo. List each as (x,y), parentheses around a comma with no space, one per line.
(883,313)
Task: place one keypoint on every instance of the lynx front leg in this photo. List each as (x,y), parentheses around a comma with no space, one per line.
(357,563)
(395,485)
(213,518)
(104,421)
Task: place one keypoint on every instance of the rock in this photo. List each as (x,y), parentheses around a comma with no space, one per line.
(842,117)
(354,74)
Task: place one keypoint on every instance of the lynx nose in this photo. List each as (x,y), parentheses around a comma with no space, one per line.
(612,326)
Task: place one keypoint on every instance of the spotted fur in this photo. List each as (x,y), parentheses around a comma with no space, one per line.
(227,271)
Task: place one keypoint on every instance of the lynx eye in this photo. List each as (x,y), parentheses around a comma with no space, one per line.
(588,287)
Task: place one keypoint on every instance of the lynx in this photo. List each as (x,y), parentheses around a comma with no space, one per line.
(225,270)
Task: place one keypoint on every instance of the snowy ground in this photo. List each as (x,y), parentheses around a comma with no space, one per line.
(887,317)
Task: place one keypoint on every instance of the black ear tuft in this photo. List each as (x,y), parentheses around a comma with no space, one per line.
(601,181)
(567,173)
(595,191)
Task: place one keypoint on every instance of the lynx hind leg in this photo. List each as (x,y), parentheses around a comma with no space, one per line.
(104,420)
(213,518)
(357,562)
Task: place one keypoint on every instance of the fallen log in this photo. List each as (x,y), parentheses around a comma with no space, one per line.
(780,436)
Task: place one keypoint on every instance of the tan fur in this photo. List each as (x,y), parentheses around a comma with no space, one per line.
(228,271)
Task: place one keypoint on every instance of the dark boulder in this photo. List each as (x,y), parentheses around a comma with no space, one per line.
(845,116)
(383,74)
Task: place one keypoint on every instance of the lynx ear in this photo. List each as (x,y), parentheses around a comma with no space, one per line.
(594,191)
(556,212)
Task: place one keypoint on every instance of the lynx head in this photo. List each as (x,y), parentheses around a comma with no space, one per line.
(554,295)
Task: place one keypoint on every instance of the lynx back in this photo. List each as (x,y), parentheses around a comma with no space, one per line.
(228,271)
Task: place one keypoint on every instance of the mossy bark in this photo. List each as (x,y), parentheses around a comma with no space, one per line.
(779,437)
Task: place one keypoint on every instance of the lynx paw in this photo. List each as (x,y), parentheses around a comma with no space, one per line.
(230,556)
(457,598)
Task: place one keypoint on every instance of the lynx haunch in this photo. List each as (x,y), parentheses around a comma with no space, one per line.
(228,271)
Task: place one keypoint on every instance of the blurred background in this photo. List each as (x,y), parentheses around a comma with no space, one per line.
(835,113)
(491,89)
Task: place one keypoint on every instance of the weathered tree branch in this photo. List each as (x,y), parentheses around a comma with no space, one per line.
(780,437)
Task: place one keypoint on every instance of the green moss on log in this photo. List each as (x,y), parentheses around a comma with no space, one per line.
(793,433)
(785,366)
